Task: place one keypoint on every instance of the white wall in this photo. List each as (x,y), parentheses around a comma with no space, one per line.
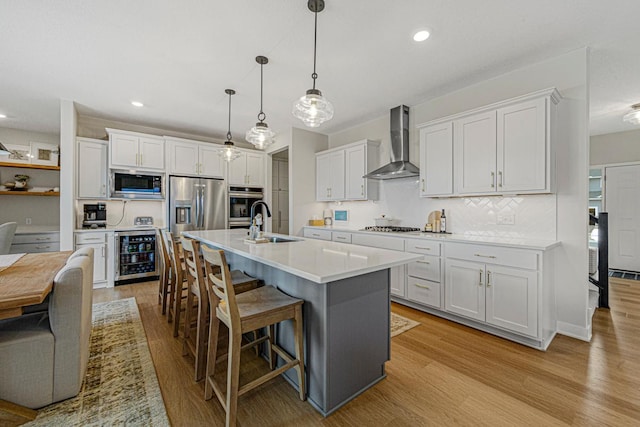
(68,129)
(619,147)
(120,214)
(560,216)
(43,211)
(302,177)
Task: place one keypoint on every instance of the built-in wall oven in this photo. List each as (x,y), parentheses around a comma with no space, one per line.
(240,201)
(136,255)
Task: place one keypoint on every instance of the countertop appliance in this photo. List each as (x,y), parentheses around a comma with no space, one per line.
(240,201)
(390,229)
(136,256)
(399,167)
(127,185)
(196,204)
(95,215)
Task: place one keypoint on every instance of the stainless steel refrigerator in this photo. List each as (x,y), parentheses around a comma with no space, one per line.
(196,204)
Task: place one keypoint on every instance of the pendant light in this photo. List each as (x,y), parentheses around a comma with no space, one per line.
(260,135)
(633,116)
(229,152)
(313,109)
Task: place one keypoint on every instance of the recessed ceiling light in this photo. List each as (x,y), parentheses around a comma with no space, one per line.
(421,35)
(2,116)
(137,104)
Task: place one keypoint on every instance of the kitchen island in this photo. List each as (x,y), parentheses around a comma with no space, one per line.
(346,310)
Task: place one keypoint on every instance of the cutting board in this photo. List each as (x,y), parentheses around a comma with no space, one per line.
(433,216)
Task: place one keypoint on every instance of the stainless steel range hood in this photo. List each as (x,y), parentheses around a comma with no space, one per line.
(399,167)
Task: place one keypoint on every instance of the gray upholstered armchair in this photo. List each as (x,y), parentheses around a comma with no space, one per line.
(44,355)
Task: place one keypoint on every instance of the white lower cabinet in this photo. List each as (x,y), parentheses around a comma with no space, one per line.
(99,241)
(499,295)
(35,242)
(317,233)
(424,277)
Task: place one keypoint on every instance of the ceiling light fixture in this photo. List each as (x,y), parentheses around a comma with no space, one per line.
(633,116)
(421,35)
(313,109)
(260,135)
(229,152)
(137,104)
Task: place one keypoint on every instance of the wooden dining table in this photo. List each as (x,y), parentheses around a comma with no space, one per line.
(28,281)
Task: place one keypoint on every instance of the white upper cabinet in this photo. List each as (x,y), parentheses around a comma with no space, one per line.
(340,171)
(330,172)
(247,169)
(475,146)
(193,158)
(502,148)
(523,147)
(92,168)
(132,150)
(436,160)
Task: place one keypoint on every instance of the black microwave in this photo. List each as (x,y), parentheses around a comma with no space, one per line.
(127,185)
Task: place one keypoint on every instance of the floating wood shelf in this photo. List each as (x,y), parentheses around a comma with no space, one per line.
(29,166)
(29,193)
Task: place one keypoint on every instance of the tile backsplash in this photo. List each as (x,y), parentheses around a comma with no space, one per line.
(534,216)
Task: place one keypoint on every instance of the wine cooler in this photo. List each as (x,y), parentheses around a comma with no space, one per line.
(136,254)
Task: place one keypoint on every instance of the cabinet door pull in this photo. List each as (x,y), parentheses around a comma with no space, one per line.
(420,247)
(362,190)
(418,285)
(423,262)
(43,247)
(315,235)
(488,278)
(137,159)
(500,176)
(341,238)
(423,190)
(480,282)
(43,238)
(103,254)
(485,256)
(493,179)
(141,163)
(92,238)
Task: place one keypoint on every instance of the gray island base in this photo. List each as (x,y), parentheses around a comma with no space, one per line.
(346,321)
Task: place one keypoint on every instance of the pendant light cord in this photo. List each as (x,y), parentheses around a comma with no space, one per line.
(229,128)
(261,114)
(314,76)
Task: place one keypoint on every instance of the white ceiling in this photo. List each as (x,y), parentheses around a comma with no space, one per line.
(178,57)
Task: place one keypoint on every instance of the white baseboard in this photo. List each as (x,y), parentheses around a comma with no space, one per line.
(574,331)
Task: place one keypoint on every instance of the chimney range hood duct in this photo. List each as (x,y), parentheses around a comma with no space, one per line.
(400,167)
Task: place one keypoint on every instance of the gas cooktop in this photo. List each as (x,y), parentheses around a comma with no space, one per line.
(390,229)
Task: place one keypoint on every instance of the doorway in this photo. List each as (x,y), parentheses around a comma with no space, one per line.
(280,191)
(622,201)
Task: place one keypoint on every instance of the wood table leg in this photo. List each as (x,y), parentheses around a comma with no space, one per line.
(15,415)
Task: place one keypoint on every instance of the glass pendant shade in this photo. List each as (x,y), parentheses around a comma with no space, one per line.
(260,135)
(313,108)
(229,152)
(633,117)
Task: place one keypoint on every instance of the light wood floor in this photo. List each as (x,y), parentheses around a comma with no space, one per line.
(440,373)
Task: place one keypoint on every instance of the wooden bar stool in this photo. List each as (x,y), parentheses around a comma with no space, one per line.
(258,308)
(196,319)
(179,282)
(164,284)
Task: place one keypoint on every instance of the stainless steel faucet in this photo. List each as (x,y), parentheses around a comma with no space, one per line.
(253,210)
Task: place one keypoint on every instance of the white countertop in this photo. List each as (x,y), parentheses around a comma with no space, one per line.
(316,260)
(514,242)
(118,228)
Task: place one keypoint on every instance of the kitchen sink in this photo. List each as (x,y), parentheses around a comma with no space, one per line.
(277,239)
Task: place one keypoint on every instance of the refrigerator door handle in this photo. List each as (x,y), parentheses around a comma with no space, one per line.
(201,212)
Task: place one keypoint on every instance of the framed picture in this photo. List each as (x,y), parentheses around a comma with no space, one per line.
(17,154)
(44,154)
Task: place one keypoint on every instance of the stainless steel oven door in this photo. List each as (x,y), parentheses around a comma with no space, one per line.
(240,201)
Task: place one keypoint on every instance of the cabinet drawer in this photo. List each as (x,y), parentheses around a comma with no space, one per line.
(91,238)
(35,247)
(383,242)
(520,258)
(313,233)
(422,247)
(36,238)
(338,236)
(427,268)
(424,292)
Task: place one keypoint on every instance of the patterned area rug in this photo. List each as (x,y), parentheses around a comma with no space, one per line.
(400,324)
(121,387)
